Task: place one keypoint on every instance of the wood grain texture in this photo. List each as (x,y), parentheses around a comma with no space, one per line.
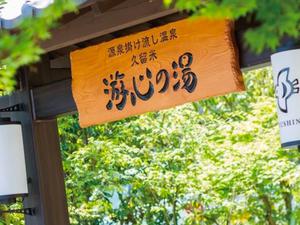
(88,25)
(215,63)
(50,170)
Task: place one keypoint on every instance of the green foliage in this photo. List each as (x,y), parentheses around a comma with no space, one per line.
(22,48)
(276,18)
(11,219)
(217,161)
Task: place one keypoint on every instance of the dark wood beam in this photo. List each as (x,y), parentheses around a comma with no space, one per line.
(102,6)
(91,2)
(250,60)
(88,26)
(53,100)
(60,62)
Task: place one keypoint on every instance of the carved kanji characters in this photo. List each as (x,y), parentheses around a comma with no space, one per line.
(111,51)
(173,34)
(154,40)
(120,49)
(146,42)
(137,44)
(164,36)
(163,75)
(188,77)
(137,93)
(152,55)
(115,88)
(128,47)
(134,61)
(143,57)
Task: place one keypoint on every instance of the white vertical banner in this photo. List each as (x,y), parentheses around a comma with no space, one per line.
(13,179)
(286,72)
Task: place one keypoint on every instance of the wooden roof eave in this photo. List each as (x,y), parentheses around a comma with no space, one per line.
(94,23)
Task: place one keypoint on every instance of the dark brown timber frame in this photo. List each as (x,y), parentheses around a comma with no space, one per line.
(45,89)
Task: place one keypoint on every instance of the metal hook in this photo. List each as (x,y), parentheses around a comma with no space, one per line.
(13,108)
(25,211)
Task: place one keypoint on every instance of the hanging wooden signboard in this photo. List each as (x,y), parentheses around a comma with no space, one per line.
(156,69)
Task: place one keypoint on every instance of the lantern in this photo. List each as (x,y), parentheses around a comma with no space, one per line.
(286,71)
(13,180)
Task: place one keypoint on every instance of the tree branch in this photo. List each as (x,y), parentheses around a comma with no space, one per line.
(268,206)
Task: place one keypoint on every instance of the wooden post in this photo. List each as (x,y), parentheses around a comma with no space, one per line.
(43,162)
(50,171)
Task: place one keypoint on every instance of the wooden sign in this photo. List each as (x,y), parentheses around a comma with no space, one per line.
(156,69)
